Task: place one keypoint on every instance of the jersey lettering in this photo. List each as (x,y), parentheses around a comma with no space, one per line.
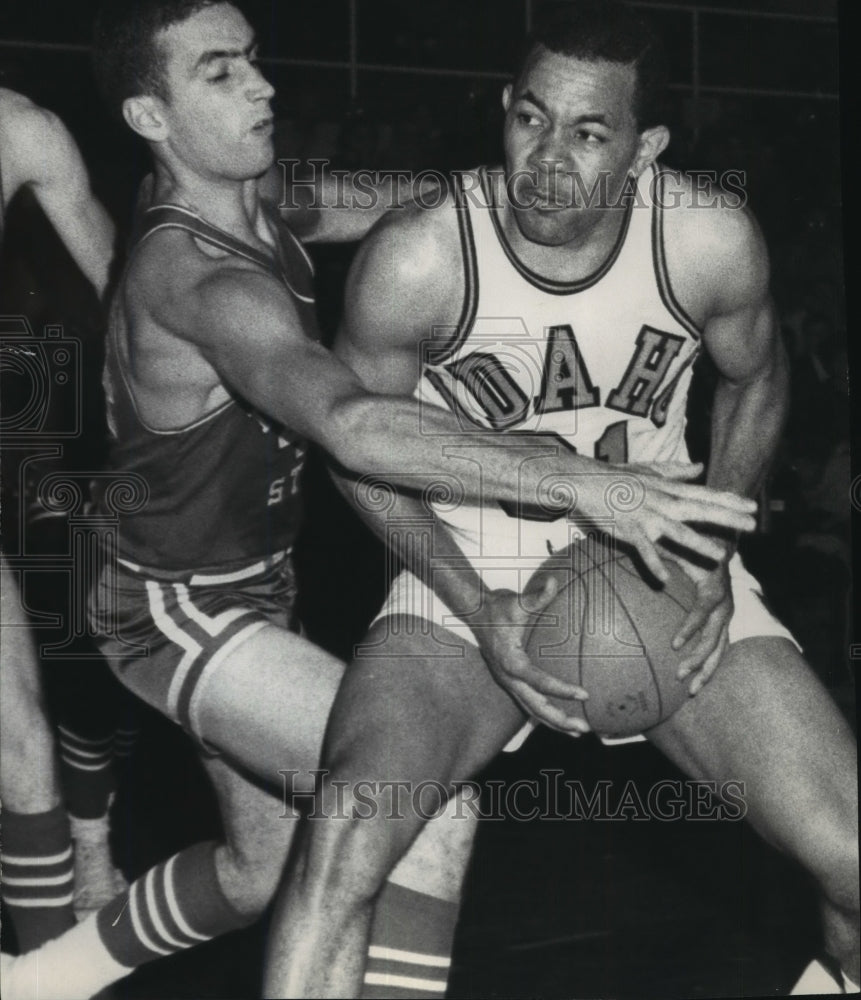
(662,404)
(488,385)
(276,491)
(656,351)
(565,384)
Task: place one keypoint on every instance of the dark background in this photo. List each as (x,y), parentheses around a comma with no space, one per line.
(664,910)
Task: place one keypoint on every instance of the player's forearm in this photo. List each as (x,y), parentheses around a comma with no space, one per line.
(747,421)
(337,206)
(391,438)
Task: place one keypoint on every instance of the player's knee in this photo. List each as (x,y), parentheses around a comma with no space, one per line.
(350,852)
(249,879)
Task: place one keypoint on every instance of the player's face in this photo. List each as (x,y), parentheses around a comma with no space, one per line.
(218,115)
(570,142)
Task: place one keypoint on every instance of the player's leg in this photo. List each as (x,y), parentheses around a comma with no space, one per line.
(422,711)
(238,701)
(37,850)
(207,889)
(765,720)
(282,731)
(85,696)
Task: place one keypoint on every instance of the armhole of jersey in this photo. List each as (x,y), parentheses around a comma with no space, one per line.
(470,274)
(302,249)
(119,370)
(660,261)
(202,230)
(129,391)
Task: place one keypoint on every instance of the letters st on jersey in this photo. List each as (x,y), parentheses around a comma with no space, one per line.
(599,399)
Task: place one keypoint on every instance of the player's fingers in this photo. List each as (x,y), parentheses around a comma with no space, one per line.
(681,471)
(691,539)
(711,664)
(539,680)
(721,500)
(689,627)
(650,556)
(545,712)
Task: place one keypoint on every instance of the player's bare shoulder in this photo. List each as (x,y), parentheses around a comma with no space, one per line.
(408,274)
(32,140)
(716,255)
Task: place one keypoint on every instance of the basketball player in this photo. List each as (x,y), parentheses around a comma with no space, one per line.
(582,316)
(37,152)
(214,378)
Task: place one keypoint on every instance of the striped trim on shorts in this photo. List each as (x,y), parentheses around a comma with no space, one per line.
(169,635)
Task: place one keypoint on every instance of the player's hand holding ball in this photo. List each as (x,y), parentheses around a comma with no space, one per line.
(704,634)
(505,621)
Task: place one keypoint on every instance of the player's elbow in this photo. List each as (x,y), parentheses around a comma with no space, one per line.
(354,432)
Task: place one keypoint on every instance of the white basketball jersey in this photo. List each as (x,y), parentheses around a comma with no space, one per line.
(603,363)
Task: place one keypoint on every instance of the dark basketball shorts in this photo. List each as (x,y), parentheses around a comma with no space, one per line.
(164,634)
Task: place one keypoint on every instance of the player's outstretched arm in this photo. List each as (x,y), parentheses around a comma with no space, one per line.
(48,160)
(406,283)
(341,207)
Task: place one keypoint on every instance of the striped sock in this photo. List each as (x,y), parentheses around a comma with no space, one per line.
(37,875)
(411,942)
(86,773)
(125,740)
(177,904)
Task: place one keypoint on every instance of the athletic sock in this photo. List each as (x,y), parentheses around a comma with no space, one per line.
(411,942)
(37,875)
(816,980)
(74,966)
(86,773)
(125,740)
(175,905)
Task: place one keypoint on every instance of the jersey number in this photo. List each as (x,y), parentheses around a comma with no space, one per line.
(611,447)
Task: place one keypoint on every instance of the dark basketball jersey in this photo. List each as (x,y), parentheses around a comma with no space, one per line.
(223,491)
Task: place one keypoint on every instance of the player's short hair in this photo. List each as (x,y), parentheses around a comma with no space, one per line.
(608,30)
(128,59)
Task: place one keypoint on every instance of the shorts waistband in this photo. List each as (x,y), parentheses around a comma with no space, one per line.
(208,579)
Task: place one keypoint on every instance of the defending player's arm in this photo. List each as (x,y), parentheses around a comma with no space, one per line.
(342,207)
(48,160)
(399,290)
(749,408)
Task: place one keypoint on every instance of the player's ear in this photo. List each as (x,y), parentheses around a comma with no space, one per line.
(653,141)
(506,97)
(143,115)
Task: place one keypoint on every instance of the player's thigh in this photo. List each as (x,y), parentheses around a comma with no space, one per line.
(765,720)
(266,703)
(417,703)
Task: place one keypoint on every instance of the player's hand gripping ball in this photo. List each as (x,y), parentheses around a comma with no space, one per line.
(610,629)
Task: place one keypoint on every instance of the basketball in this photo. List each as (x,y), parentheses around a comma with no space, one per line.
(610,629)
